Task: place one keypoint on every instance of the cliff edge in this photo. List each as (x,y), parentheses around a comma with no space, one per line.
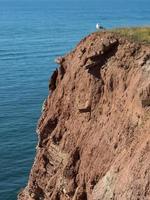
(94,131)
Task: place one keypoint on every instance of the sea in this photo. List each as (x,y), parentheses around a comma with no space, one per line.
(32,34)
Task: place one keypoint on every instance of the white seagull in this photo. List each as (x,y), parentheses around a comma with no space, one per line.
(98,27)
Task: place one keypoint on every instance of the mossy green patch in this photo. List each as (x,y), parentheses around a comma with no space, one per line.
(139,34)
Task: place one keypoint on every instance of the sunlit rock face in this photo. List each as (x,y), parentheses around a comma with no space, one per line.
(94,131)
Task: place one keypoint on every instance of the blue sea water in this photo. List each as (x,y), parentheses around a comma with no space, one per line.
(32,34)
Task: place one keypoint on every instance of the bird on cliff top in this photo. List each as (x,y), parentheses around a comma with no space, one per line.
(98,27)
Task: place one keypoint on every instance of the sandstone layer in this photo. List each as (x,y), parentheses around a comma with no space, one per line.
(94,131)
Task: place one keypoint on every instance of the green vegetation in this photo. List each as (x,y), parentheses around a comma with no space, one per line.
(140,34)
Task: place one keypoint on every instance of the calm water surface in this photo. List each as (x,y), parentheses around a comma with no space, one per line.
(32,34)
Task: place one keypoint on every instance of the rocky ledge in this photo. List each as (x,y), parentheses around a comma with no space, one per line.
(94,131)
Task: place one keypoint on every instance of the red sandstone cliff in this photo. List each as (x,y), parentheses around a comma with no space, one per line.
(94,132)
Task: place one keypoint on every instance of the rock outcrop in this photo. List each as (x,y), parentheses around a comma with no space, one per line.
(94,132)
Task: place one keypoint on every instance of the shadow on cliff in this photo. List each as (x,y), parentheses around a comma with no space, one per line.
(98,61)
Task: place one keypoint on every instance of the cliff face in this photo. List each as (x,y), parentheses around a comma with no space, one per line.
(94,132)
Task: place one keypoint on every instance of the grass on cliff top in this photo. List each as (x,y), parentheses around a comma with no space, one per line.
(139,34)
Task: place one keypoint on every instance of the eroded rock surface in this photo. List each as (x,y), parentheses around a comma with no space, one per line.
(94,132)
